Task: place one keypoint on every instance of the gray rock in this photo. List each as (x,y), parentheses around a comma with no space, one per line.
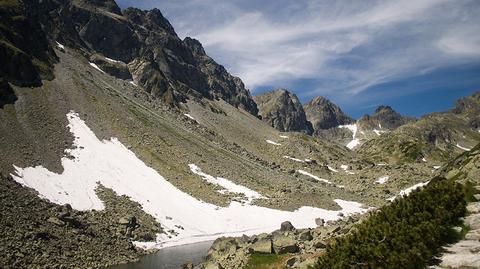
(324,114)
(320,222)
(282,110)
(286,226)
(263,246)
(473,221)
(283,244)
(305,236)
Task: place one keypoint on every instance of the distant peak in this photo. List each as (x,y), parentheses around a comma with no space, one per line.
(383,108)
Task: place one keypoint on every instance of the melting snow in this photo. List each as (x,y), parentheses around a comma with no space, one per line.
(436,167)
(113,165)
(303,172)
(332,169)
(113,61)
(345,168)
(189,116)
(96,67)
(424,160)
(382,180)
(355,141)
(132,82)
(273,142)
(226,184)
(60,45)
(460,147)
(284,136)
(381,164)
(378,132)
(295,159)
(408,190)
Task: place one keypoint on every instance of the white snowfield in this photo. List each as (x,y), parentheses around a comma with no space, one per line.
(96,67)
(382,180)
(113,165)
(355,141)
(464,148)
(273,142)
(303,172)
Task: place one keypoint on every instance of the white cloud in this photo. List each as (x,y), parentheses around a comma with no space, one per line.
(348,46)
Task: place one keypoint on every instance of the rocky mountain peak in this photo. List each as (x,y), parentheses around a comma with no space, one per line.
(323,114)
(282,110)
(384,109)
(384,117)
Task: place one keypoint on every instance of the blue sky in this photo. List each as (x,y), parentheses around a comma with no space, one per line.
(418,56)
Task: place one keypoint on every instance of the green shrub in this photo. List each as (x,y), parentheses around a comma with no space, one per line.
(404,234)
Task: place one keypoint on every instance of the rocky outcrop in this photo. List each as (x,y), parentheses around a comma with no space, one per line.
(323,114)
(282,110)
(7,95)
(302,245)
(133,44)
(25,53)
(384,118)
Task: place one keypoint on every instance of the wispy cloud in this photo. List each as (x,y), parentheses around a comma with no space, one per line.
(345,46)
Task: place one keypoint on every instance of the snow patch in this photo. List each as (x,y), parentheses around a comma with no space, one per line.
(463,148)
(303,172)
(283,136)
(294,159)
(424,160)
(408,190)
(436,167)
(379,132)
(345,168)
(382,180)
(332,169)
(228,185)
(113,165)
(273,142)
(114,61)
(189,116)
(96,67)
(60,46)
(353,128)
(381,164)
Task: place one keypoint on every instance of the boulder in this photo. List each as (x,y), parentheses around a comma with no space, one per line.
(284,244)
(263,246)
(286,226)
(305,236)
(320,222)
(473,221)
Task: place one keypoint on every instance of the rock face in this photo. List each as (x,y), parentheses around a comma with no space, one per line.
(283,111)
(384,118)
(133,44)
(324,114)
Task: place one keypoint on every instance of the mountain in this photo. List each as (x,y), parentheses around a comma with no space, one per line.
(332,124)
(133,44)
(324,114)
(117,136)
(435,137)
(283,111)
(384,118)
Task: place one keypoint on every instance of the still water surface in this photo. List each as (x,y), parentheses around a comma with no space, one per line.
(170,258)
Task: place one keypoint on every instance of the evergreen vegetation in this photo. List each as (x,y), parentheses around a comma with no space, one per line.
(403,234)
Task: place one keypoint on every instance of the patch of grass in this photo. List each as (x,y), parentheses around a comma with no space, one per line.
(9,3)
(470,192)
(259,261)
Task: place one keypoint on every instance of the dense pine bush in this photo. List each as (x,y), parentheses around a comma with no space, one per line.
(403,234)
